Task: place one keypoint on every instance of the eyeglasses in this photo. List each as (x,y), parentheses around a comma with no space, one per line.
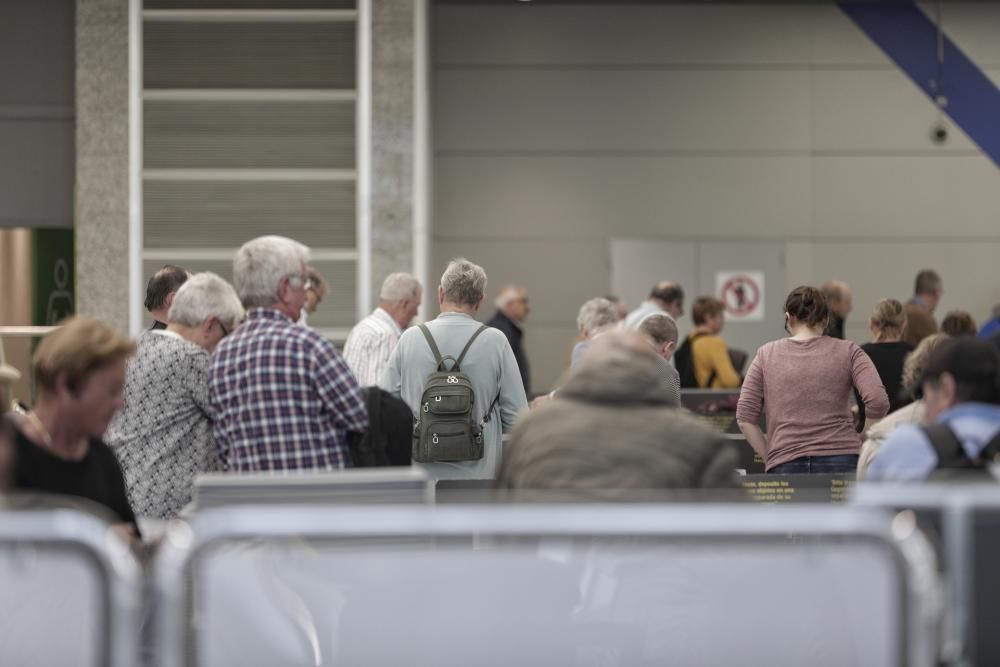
(225,331)
(303,280)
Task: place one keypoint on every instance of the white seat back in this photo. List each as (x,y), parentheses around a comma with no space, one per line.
(542,584)
(71,591)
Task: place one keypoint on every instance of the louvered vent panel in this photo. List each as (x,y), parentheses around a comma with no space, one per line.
(185,214)
(295,134)
(188,54)
(251,4)
(337,309)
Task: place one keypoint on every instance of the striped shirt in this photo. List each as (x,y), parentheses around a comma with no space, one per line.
(370,345)
(284,398)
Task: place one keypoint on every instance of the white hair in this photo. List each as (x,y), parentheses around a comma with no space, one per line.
(463,282)
(596,314)
(506,295)
(399,287)
(202,296)
(260,265)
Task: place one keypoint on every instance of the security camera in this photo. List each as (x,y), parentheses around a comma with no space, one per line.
(939,133)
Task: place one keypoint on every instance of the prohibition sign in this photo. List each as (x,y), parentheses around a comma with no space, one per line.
(741,294)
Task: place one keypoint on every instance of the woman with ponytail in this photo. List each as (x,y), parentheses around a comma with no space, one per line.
(803,385)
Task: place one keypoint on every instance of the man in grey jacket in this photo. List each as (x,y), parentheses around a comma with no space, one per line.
(611,433)
(489,364)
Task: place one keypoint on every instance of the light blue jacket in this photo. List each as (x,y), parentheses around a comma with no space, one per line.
(490,366)
(909,456)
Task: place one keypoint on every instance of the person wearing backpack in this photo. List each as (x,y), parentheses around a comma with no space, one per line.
(460,380)
(703,360)
(961,393)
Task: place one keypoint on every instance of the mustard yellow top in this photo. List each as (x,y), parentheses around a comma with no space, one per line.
(709,353)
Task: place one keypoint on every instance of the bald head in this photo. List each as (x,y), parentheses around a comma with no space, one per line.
(669,296)
(838,297)
(512,301)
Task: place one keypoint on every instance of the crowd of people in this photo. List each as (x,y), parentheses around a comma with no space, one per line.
(231,377)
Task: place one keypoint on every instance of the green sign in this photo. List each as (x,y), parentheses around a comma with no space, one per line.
(52,279)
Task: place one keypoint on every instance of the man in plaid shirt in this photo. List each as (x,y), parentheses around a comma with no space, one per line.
(284,396)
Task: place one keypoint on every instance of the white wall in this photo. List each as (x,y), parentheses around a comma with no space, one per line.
(560,127)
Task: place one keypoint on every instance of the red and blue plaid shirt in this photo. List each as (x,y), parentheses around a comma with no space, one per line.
(285,399)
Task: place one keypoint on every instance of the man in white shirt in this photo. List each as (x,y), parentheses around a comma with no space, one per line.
(372,341)
(666,297)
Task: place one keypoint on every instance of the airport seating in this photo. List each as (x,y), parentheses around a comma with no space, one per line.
(588,584)
(72,591)
(962,522)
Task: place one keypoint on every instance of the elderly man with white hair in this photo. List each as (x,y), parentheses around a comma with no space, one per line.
(486,358)
(285,398)
(374,338)
(596,316)
(512,311)
(163,435)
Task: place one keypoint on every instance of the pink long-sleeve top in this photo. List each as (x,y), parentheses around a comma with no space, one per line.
(803,387)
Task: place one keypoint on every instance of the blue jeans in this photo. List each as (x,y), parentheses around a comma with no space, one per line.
(821,465)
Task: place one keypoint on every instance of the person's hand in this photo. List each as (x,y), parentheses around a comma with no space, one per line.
(126,531)
(541,400)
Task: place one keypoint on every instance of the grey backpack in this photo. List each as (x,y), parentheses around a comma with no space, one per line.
(445,428)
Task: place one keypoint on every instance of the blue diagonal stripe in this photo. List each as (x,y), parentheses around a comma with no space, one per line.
(910,39)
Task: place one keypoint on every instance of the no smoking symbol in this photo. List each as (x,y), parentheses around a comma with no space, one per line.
(741,294)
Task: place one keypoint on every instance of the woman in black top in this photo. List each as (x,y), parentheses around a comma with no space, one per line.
(80,371)
(888,350)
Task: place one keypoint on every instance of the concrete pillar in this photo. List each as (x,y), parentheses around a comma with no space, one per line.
(392,137)
(101,209)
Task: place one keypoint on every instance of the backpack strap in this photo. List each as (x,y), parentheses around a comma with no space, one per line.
(461,357)
(434,348)
(489,411)
(948,448)
(430,341)
(991,452)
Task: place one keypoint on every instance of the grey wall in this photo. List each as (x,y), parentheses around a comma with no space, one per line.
(559,128)
(36,113)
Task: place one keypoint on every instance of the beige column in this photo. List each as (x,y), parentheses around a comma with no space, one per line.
(102,161)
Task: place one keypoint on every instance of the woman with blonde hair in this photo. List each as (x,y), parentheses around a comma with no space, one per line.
(888,350)
(80,372)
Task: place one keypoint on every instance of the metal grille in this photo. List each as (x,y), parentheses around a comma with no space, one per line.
(221,214)
(250,4)
(187,54)
(248,129)
(258,134)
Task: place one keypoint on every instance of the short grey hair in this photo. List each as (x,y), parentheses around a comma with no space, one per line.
(596,314)
(260,265)
(928,282)
(206,295)
(399,287)
(660,328)
(463,282)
